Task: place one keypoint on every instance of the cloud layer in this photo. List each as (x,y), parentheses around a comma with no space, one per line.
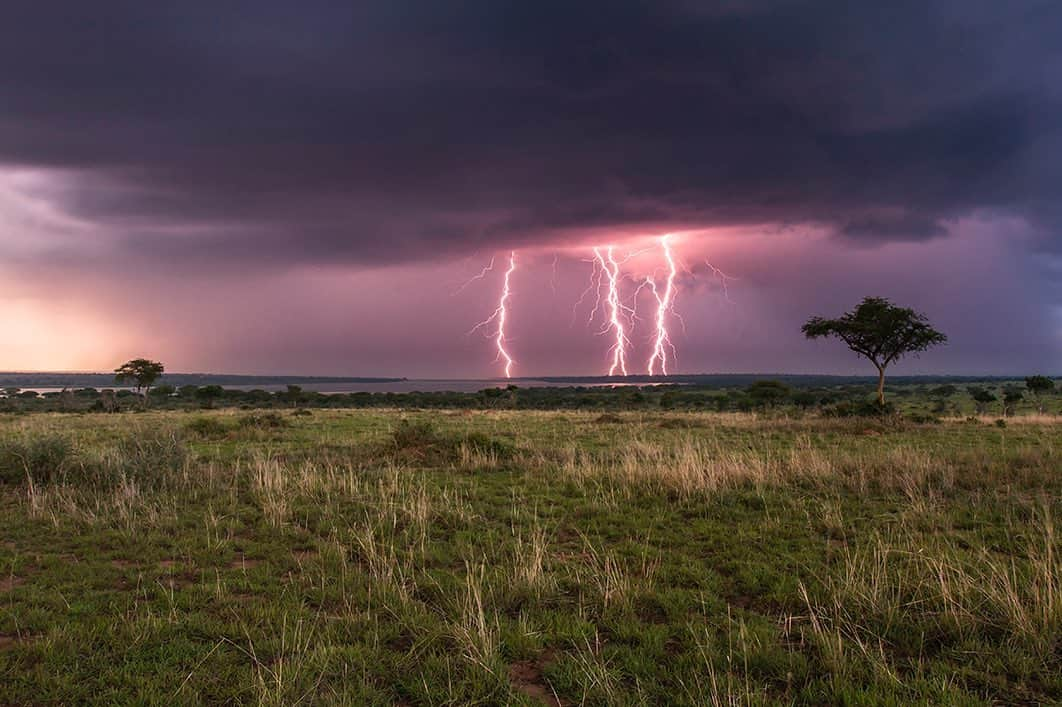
(245,140)
(381,132)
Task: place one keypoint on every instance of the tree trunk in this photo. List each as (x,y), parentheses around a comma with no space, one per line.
(881,386)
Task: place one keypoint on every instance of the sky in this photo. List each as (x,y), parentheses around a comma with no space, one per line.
(320,188)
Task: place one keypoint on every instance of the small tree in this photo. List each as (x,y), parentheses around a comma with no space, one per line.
(207,394)
(768,392)
(879,331)
(293,394)
(141,372)
(941,394)
(163,391)
(1039,386)
(108,401)
(982,397)
(1012,395)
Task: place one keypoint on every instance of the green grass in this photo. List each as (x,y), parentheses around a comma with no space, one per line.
(504,557)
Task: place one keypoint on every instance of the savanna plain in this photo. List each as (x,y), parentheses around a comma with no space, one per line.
(403,557)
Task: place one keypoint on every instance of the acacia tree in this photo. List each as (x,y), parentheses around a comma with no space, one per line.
(1039,386)
(1012,395)
(982,397)
(879,331)
(141,372)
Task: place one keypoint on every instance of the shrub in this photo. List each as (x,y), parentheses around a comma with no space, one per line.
(44,459)
(151,457)
(419,441)
(208,427)
(413,435)
(487,445)
(866,408)
(262,420)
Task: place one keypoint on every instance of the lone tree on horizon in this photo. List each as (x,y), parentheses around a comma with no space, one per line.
(142,372)
(879,331)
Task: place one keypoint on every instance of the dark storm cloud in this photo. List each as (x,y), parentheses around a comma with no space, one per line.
(390,131)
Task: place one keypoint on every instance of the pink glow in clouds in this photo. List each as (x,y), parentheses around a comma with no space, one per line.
(70,299)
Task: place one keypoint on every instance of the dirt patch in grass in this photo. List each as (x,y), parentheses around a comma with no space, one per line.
(740,601)
(179,581)
(123,564)
(7,641)
(10,582)
(402,643)
(526,677)
(168,564)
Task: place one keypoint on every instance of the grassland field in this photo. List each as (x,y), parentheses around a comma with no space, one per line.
(390,557)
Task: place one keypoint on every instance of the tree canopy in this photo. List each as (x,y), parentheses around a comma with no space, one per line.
(879,331)
(141,372)
(1039,386)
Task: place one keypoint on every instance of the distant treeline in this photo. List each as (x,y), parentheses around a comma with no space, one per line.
(922,400)
(741,380)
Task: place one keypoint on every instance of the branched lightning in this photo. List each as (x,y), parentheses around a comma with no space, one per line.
(499,316)
(594,286)
(482,274)
(723,279)
(616,310)
(620,316)
(664,306)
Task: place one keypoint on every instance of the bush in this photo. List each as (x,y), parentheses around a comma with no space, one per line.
(44,459)
(413,435)
(208,427)
(420,441)
(263,420)
(867,408)
(150,457)
(485,444)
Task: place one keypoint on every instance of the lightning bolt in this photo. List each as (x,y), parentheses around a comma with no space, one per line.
(482,274)
(616,309)
(664,305)
(499,316)
(723,279)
